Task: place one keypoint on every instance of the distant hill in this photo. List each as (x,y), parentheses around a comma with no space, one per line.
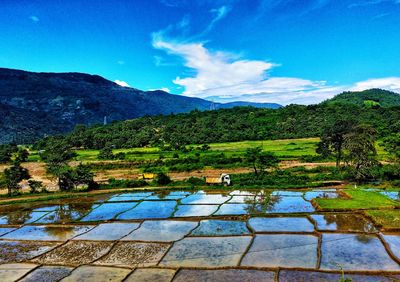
(371,97)
(248,104)
(33,105)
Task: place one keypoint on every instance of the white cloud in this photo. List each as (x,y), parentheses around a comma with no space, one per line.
(220,13)
(223,77)
(213,69)
(121,62)
(165,89)
(388,83)
(34,19)
(121,83)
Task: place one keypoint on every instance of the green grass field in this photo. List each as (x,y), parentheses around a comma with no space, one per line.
(285,149)
(359,199)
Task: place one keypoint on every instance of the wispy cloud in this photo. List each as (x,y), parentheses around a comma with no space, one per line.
(34,18)
(121,62)
(173,3)
(279,7)
(219,13)
(219,76)
(223,76)
(165,89)
(379,16)
(372,2)
(388,83)
(121,83)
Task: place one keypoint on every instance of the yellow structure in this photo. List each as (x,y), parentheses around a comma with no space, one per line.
(146,176)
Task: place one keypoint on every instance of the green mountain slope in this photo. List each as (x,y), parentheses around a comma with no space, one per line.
(369,98)
(237,124)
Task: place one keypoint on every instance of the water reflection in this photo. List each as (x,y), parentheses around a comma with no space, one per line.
(63,211)
(262,202)
(343,222)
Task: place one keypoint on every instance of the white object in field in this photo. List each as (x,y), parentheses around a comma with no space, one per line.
(222,179)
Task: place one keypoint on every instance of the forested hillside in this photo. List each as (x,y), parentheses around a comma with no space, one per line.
(371,97)
(242,123)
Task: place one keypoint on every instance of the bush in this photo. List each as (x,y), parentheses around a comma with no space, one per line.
(396,183)
(196,181)
(162,179)
(105,154)
(120,156)
(124,183)
(279,178)
(35,186)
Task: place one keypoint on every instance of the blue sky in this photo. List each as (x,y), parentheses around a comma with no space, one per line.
(285,51)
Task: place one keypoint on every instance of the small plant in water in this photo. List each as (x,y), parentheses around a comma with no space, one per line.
(344,279)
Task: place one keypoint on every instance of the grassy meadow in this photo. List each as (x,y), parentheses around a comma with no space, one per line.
(286,149)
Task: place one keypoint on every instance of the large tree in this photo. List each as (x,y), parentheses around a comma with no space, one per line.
(56,155)
(361,151)
(259,160)
(6,152)
(333,138)
(14,175)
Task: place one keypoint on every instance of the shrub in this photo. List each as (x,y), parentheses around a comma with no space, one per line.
(106,154)
(35,186)
(162,179)
(120,156)
(196,181)
(124,183)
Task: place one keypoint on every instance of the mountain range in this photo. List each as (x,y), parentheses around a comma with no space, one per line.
(33,105)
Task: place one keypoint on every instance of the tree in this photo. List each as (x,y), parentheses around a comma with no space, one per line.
(56,154)
(162,179)
(36,186)
(106,154)
(251,156)
(22,155)
(360,151)
(332,140)
(82,175)
(14,175)
(267,160)
(260,160)
(6,151)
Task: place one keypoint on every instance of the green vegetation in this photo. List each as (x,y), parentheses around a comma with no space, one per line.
(172,132)
(259,160)
(371,97)
(333,139)
(392,146)
(358,199)
(13,176)
(371,104)
(348,134)
(361,152)
(388,219)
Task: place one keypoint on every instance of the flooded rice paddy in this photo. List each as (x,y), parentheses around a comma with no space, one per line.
(194,236)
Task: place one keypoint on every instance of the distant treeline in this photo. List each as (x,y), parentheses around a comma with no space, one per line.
(227,125)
